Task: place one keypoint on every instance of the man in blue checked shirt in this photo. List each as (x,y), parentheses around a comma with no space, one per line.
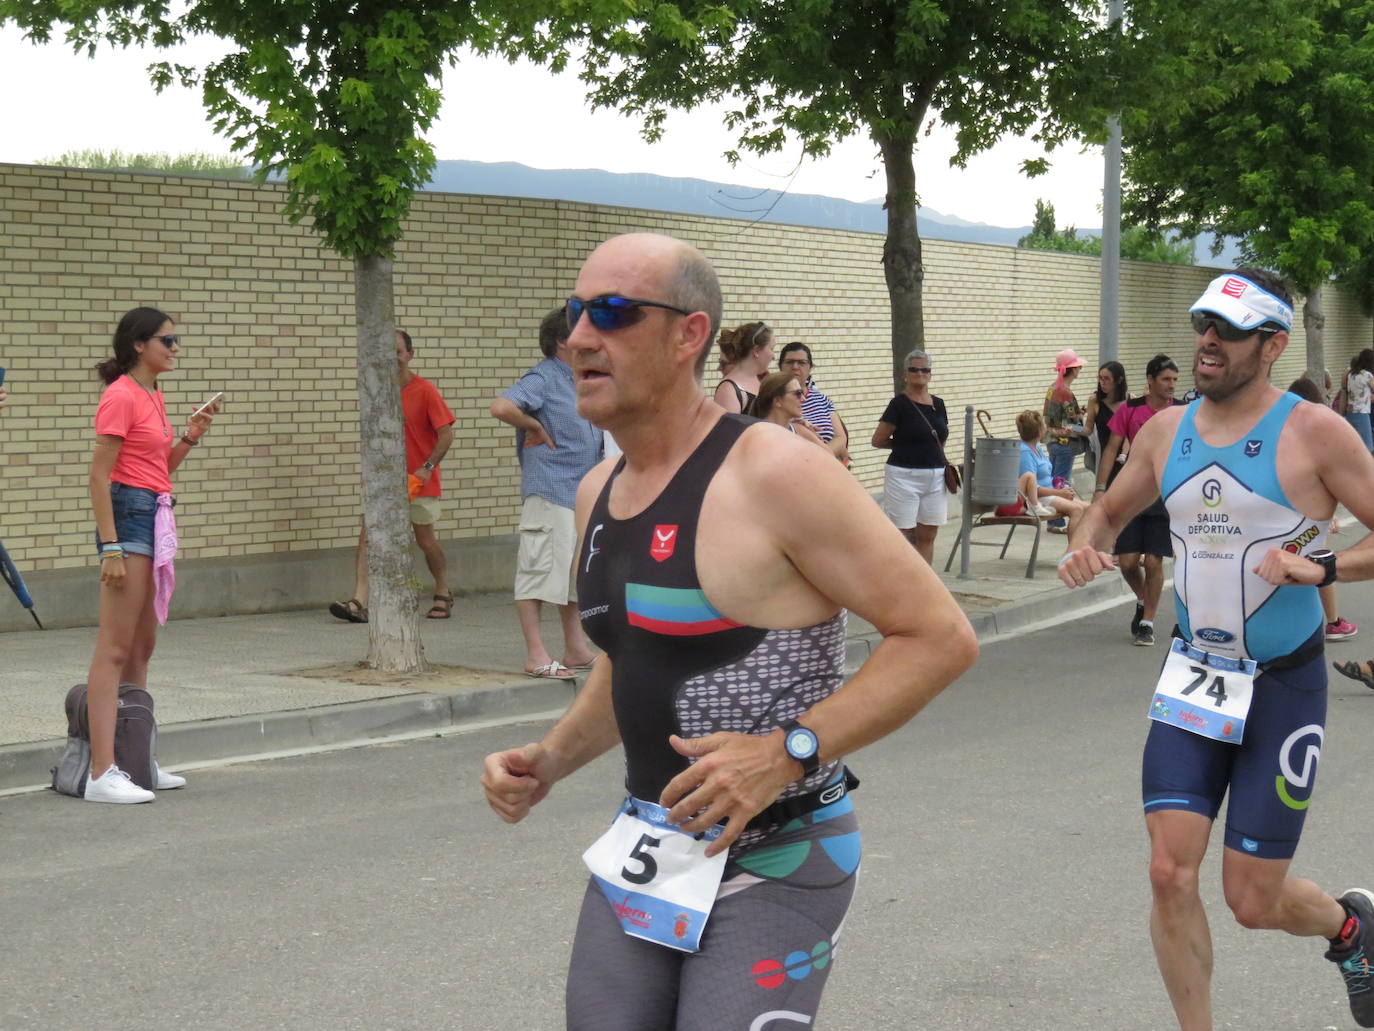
(556,448)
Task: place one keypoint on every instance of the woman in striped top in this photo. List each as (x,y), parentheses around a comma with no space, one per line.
(818,409)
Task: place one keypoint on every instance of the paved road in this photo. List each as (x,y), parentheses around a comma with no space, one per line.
(1003,883)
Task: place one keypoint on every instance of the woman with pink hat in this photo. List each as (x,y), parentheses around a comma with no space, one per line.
(1064,417)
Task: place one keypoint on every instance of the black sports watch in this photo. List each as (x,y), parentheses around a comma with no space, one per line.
(1326,558)
(802,745)
(429,466)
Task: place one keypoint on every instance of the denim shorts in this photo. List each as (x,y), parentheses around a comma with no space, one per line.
(135,510)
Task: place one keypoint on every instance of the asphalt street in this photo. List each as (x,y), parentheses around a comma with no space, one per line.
(1003,882)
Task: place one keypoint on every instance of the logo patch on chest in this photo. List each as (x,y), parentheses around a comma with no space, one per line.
(663,544)
(1252,448)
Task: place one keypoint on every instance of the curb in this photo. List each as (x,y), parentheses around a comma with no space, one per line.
(24,766)
(1017,617)
(298,730)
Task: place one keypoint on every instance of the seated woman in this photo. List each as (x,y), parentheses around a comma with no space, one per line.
(780,401)
(1036,480)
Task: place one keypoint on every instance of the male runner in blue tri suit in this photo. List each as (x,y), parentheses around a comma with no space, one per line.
(1250,476)
(718,558)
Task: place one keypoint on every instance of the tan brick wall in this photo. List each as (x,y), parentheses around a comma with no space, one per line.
(266,314)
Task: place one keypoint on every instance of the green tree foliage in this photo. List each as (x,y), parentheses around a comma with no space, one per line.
(1043,225)
(1286,163)
(1045,236)
(1137,242)
(333,97)
(212,165)
(820,71)
(1141,244)
(1358,279)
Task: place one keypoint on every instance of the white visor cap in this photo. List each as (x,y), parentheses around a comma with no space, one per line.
(1243,304)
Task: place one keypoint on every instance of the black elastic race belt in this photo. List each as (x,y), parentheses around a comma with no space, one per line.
(1310,649)
(785,809)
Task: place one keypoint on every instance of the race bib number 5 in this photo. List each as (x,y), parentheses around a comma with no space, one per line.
(656,878)
(1204,693)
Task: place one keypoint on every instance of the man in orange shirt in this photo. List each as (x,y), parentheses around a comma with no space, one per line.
(429,434)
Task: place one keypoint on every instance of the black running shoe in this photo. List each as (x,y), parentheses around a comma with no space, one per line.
(1135,620)
(1357,962)
(1144,636)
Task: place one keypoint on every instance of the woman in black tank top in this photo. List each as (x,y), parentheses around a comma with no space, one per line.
(1110,395)
(745,356)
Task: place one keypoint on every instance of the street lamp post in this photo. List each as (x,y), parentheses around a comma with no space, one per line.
(1109,304)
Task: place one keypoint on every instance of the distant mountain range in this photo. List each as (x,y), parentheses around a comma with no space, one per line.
(721,200)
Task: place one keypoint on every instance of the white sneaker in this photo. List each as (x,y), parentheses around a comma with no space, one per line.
(1044,511)
(167,781)
(114,785)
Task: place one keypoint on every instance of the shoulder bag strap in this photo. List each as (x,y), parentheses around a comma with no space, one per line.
(931,428)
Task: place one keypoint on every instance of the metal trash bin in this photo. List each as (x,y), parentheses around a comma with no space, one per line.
(996,465)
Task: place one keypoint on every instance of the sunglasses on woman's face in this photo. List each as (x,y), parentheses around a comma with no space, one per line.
(169,340)
(919,368)
(610,312)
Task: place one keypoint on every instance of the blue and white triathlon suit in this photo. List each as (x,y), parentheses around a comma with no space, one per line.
(1226,510)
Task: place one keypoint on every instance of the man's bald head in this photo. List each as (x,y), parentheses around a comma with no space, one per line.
(671,271)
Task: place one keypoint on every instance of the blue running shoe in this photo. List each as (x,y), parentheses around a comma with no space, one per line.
(1357,962)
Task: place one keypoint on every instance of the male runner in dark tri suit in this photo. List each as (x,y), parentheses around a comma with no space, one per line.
(717,561)
(1250,476)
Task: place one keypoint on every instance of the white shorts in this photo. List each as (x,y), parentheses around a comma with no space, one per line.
(548,546)
(915,496)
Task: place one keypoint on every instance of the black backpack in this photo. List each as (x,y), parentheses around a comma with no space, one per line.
(135,743)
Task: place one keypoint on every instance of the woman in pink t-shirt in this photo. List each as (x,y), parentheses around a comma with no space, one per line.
(135,455)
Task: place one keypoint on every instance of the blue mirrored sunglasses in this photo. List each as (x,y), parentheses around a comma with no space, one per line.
(611,311)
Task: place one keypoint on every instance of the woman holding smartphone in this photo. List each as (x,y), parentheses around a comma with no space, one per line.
(136,452)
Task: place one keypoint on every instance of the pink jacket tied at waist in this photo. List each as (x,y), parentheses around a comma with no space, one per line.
(164,551)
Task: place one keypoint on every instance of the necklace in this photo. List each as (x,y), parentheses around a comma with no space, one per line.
(157,410)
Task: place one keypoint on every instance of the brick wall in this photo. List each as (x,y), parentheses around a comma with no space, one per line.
(266,314)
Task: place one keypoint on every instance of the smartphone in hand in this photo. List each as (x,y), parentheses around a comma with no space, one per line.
(208,404)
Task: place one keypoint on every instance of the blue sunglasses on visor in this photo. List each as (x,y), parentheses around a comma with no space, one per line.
(611,311)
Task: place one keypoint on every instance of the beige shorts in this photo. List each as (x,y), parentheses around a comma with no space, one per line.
(548,544)
(425,511)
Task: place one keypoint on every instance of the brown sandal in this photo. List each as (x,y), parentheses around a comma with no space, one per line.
(351,611)
(1360,671)
(442,607)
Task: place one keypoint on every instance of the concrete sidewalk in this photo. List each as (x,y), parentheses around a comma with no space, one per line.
(241,686)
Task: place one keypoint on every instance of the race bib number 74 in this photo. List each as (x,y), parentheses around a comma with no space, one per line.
(1203,693)
(656,878)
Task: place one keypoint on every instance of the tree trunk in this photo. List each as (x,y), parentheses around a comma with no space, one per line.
(1314,322)
(902,266)
(393,610)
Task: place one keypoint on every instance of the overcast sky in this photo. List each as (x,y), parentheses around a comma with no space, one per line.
(57,101)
